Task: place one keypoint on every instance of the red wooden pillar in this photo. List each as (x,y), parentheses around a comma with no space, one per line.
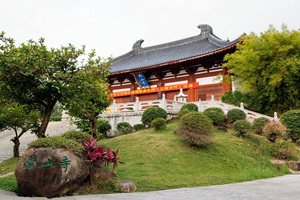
(226,81)
(192,92)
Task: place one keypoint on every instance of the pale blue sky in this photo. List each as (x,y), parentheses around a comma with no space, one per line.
(112,26)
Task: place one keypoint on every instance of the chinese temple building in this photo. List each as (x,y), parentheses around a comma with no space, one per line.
(192,64)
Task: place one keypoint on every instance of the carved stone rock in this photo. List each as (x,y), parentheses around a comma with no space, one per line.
(49,172)
(99,174)
(294,165)
(127,186)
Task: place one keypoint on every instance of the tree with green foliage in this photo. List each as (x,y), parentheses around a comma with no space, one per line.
(89,90)
(18,118)
(291,119)
(32,75)
(268,66)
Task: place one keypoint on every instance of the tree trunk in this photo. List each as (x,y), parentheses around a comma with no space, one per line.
(16,142)
(93,127)
(46,119)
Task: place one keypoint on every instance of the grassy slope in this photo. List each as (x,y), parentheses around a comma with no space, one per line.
(161,160)
(8,166)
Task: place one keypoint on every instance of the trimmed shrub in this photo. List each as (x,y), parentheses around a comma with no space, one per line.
(215,114)
(158,124)
(225,125)
(181,113)
(258,125)
(153,113)
(291,119)
(236,114)
(78,136)
(241,127)
(189,106)
(138,127)
(124,128)
(83,125)
(284,150)
(55,118)
(103,126)
(58,142)
(272,130)
(196,128)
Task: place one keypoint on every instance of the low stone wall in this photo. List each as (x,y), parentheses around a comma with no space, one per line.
(131,118)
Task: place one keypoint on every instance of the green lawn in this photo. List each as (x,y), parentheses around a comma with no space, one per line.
(161,160)
(157,160)
(8,183)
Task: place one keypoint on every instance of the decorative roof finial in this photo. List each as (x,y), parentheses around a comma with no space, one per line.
(137,45)
(205,29)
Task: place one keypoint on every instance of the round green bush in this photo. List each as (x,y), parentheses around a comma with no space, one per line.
(158,124)
(138,127)
(78,136)
(189,106)
(291,119)
(236,114)
(124,128)
(153,113)
(181,113)
(215,114)
(225,125)
(241,126)
(103,126)
(196,128)
(258,125)
(284,150)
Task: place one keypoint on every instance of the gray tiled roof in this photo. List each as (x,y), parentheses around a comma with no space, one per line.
(188,48)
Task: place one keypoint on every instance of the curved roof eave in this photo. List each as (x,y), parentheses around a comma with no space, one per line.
(173,52)
(172,62)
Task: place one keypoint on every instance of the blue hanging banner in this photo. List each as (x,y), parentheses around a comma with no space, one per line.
(141,80)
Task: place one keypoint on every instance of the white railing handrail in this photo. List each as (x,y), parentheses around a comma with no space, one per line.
(175,106)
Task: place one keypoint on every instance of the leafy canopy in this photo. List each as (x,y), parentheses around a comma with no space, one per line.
(268,66)
(32,75)
(89,91)
(19,118)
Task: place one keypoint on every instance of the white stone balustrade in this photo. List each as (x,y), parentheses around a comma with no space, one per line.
(174,106)
(132,112)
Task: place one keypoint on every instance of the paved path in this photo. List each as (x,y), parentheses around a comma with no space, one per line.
(6,146)
(279,188)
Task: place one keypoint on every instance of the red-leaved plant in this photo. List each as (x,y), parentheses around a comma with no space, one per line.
(96,155)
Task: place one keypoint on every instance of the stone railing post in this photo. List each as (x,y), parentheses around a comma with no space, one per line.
(164,102)
(212,100)
(114,107)
(200,105)
(276,117)
(242,106)
(136,105)
(65,116)
(175,104)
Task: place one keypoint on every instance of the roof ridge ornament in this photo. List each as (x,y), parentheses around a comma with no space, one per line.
(205,29)
(137,45)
